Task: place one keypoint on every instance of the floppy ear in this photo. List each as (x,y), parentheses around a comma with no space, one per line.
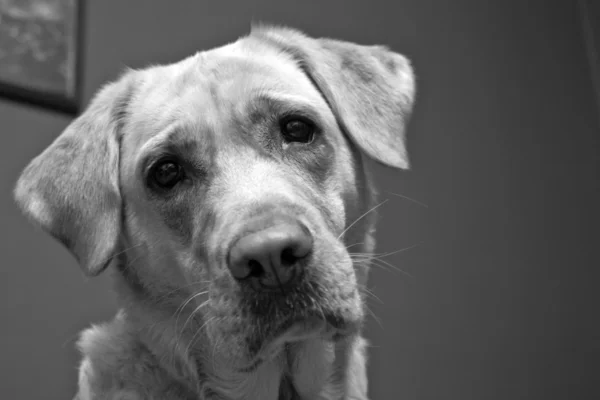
(71,190)
(369,88)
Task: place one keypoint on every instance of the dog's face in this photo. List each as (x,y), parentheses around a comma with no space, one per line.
(233,183)
(242,149)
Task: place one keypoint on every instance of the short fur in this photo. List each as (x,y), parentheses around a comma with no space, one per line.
(187,329)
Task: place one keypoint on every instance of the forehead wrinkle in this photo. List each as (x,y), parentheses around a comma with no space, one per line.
(156,142)
(284,103)
(194,138)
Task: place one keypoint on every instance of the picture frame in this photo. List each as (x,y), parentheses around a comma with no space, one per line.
(40,53)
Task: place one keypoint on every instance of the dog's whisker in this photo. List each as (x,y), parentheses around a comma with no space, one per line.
(355,244)
(315,303)
(361,217)
(369,293)
(130,263)
(387,266)
(372,314)
(125,250)
(393,267)
(387,254)
(377,259)
(193,313)
(401,250)
(184,304)
(215,346)
(192,341)
(409,199)
(360,256)
(374,261)
(183,287)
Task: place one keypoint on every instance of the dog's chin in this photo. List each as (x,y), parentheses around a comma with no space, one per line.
(328,328)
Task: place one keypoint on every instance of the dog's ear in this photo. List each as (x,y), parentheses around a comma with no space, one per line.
(71,190)
(370,89)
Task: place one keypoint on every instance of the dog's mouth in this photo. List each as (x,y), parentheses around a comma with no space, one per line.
(295,321)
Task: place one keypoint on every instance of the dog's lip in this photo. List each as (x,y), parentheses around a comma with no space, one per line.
(296,329)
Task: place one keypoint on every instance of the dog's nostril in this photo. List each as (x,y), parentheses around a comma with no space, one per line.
(288,257)
(256,269)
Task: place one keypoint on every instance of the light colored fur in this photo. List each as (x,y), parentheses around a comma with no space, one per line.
(185,330)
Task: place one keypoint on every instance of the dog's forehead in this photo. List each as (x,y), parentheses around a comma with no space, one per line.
(213,89)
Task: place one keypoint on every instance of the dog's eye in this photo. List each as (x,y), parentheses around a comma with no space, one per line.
(297,130)
(166,174)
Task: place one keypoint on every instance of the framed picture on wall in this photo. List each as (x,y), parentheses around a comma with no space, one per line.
(40,52)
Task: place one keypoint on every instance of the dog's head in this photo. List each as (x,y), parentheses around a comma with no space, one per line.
(231,184)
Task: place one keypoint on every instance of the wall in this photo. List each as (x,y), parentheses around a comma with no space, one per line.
(505,147)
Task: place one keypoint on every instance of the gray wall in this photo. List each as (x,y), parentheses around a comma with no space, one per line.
(505,146)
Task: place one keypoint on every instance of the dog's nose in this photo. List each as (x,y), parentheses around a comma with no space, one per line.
(271,257)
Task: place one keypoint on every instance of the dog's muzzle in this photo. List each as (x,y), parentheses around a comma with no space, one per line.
(284,279)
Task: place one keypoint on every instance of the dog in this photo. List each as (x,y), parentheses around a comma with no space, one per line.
(225,193)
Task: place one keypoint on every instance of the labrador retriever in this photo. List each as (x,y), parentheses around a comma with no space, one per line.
(224,192)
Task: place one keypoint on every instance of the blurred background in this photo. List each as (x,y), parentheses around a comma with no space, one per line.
(497,297)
